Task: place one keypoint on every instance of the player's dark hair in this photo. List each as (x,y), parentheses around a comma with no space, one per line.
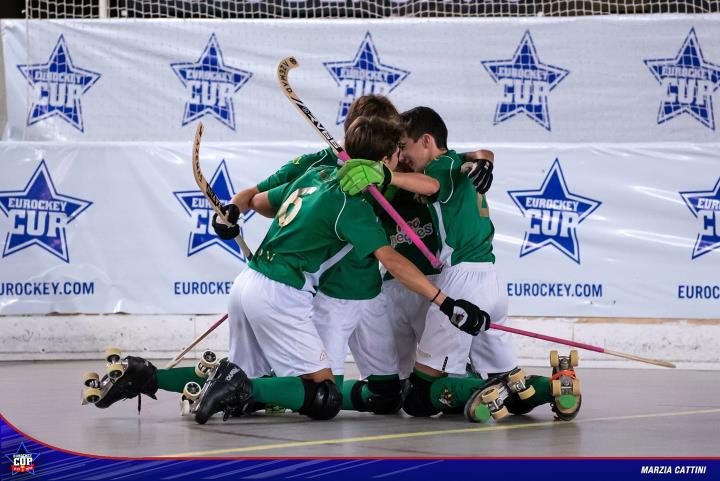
(372,105)
(424,120)
(372,138)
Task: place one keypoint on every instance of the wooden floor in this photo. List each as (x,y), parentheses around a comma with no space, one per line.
(657,412)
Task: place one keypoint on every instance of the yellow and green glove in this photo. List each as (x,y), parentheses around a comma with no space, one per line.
(357,174)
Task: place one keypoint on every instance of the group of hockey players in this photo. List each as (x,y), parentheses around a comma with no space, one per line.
(335,271)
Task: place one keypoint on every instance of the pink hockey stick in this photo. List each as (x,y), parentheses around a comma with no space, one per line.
(581,345)
(197,340)
(283,69)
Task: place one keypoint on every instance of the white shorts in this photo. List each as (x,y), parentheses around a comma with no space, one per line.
(271,328)
(407,311)
(445,347)
(361,324)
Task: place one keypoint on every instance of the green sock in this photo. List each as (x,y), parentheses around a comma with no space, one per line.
(174,380)
(543,390)
(453,392)
(365,392)
(288,392)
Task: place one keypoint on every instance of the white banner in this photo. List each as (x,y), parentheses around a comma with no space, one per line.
(585,79)
(581,230)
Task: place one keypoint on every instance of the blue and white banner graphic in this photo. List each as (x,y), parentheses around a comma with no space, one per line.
(583,79)
(601,230)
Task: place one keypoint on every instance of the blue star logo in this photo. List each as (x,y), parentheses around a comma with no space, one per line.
(363,75)
(554,214)
(22,461)
(39,215)
(689,81)
(705,206)
(199,209)
(58,87)
(210,84)
(526,82)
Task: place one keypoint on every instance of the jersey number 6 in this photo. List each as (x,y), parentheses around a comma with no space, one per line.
(294,200)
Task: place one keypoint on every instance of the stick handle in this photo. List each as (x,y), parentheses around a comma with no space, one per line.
(588,347)
(197,340)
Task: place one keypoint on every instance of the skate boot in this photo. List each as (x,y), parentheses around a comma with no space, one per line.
(490,401)
(227,389)
(125,379)
(565,386)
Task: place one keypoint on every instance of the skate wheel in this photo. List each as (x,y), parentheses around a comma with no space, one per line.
(576,387)
(91,395)
(184,407)
(209,358)
(527,393)
(91,379)
(489,395)
(555,385)
(574,358)
(191,391)
(201,370)
(115,370)
(112,354)
(554,359)
(517,376)
(500,413)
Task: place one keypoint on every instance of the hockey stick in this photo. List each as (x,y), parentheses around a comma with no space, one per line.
(197,340)
(207,190)
(283,69)
(581,345)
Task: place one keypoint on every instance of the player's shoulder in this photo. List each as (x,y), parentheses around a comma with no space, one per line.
(450,160)
(325,157)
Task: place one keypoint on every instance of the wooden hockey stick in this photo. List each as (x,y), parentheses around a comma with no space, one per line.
(197,340)
(207,190)
(283,69)
(581,345)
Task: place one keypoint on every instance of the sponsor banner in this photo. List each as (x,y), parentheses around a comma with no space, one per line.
(583,79)
(581,229)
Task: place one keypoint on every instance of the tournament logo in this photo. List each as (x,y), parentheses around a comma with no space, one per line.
(210,85)
(39,215)
(554,214)
(705,206)
(201,211)
(363,75)
(58,87)
(688,81)
(22,461)
(526,82)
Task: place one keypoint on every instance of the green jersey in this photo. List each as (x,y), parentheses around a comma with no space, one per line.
(297,167)
(417,215)
(316,225)
(464,235)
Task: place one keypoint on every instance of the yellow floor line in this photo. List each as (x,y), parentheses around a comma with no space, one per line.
(385,437)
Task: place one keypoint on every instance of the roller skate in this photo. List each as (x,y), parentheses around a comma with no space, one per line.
(125,379)
(491,401)
(227,389)
(565,386)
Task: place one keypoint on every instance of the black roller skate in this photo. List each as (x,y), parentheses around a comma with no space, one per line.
(228,389)
(491,401)
(125,379)
(192,391)
(565,386)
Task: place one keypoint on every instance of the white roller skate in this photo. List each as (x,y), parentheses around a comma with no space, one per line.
(489,401)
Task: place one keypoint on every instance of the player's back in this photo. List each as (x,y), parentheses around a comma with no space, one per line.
(313,229)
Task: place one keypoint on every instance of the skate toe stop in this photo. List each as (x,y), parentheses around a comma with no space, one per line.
(567,401)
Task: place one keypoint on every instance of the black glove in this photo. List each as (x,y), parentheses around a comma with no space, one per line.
(224,231)
(480,173)
(465,315)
